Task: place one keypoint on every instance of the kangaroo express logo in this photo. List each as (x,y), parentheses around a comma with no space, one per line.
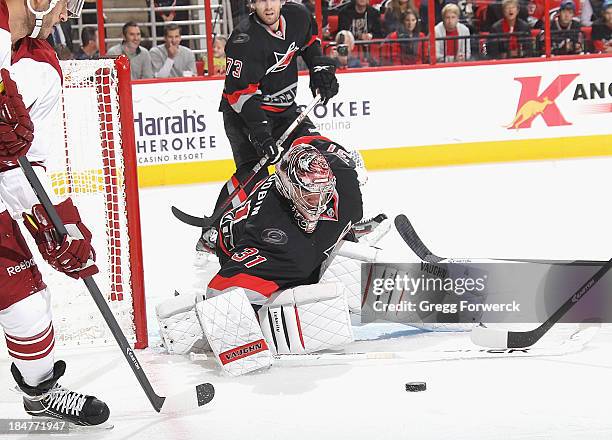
(532,104)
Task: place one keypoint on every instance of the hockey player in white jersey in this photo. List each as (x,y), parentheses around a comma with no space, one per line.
(25,309)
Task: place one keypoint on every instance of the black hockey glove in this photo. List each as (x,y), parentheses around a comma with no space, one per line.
(265,144)
(323,78)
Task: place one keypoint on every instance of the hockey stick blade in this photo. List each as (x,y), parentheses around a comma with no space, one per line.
(575,343)
(191,220)
(189,399)
(499,338)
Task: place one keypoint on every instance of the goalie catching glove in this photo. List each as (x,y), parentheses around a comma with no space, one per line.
(16,128)
(323,78)
(72,255)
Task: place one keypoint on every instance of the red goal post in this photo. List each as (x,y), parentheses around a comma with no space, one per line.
(94,162)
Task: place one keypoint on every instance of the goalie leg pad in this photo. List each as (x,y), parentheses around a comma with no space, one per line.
(307,319)
(231,328)
(179,326)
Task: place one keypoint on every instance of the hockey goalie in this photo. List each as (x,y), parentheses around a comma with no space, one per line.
(289,266)
(266,298)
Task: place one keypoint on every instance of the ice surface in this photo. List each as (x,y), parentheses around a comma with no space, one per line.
(550,209)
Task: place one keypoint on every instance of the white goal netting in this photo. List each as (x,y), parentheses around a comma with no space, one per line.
(88,164)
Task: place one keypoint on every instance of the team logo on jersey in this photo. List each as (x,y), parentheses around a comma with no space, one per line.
(274,236)
(283,59)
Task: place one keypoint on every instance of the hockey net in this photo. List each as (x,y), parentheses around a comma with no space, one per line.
(94,163)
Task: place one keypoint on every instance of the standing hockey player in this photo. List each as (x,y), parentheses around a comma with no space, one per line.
(25,308)
(258,102)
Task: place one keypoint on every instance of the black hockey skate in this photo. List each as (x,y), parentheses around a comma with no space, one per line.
(49,399)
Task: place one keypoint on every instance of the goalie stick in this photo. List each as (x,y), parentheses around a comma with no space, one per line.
(575,342)
(412,239)
(498,338)
(207,222)
(196,396)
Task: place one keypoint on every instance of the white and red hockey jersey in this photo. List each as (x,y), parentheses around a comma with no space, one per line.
(36,70)
(5,36)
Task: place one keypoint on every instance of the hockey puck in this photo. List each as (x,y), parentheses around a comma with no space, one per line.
(416,386)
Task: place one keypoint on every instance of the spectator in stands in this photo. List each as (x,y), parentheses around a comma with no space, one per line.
(424,12)
(393,14)
(171,60)
(408,52)
(495,13)
(343,51)
(591,11)
(310,5)
(165,16)
(532,19)
(453,49)
(518,43)
(89,45)
(61,37)
(362,20)
(468,13)
(565,35)
(140,60)
(602,30)
(218,55)
(63,53)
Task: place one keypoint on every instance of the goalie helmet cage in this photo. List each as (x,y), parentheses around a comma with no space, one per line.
(97,169)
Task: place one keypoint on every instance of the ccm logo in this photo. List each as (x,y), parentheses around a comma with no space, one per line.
(25,264)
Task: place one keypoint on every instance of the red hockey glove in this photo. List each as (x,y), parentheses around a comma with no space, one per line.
(16,128)
(74,255)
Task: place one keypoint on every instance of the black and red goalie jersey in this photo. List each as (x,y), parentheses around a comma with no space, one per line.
(261,74)
(261,246)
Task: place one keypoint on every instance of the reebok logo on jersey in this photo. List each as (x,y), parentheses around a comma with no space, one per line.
(321,68)
(25,264)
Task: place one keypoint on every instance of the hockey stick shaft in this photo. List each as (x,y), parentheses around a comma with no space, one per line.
(156,401)
(528,338)
(207,222)
(502,338)
(412,239)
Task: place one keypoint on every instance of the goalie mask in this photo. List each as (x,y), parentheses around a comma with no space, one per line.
(304,177)
(74,8)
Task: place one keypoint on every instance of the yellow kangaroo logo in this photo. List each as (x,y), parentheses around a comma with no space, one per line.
(530,109)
